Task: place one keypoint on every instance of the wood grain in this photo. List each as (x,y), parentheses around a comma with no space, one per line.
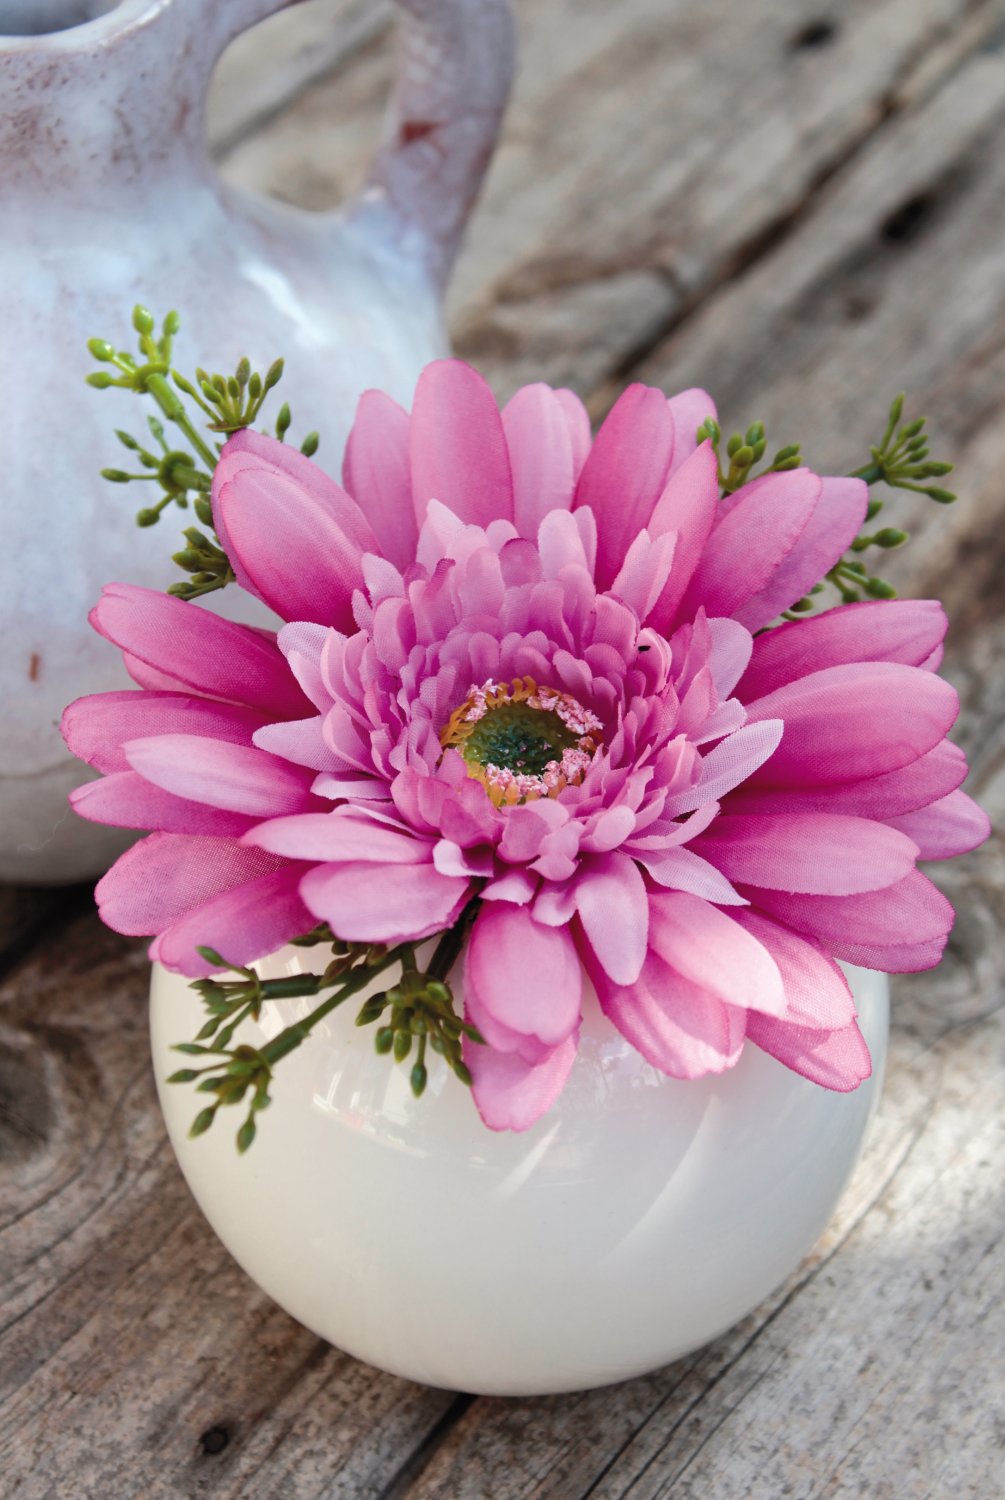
(799,207)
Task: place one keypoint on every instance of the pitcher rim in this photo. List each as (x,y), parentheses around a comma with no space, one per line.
(124,16)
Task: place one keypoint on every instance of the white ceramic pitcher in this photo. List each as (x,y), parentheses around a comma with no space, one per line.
(107,199)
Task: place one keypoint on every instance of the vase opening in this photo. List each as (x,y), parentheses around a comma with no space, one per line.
(42,17)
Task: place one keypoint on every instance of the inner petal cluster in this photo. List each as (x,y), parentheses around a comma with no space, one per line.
(522,741)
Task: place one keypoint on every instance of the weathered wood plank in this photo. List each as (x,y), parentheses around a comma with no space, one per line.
(680,179)
(268,67)
(611,206)
(126,1327)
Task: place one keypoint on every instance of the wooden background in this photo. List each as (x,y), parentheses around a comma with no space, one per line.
(801,206)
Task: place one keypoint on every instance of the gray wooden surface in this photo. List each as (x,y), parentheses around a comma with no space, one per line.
(802,207)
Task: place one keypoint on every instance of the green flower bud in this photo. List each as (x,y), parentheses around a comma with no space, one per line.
(212,957)
(402,1045)
(878,588)
(418,1079)
(202,1121)
(116,476)
(309,446)
(143,320)
(100,380)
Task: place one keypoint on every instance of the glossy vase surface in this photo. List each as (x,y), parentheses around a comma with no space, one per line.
(638,1219)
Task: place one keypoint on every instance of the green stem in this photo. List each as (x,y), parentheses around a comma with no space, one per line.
(288,1040)
(172,408)
(449,947)
(871,473)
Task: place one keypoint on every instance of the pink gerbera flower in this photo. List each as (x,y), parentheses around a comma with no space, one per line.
(526,669)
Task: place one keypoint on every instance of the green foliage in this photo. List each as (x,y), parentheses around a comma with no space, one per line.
(421,1006)
(900,460)
(184,475)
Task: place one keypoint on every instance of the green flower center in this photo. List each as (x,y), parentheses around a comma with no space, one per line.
(521,741)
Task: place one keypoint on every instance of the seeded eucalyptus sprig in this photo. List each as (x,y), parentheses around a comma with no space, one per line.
(900,460)
(421,1006)
(184,475)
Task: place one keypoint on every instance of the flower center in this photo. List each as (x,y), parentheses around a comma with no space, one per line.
(521,741)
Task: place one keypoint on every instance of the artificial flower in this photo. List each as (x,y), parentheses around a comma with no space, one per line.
(526,667)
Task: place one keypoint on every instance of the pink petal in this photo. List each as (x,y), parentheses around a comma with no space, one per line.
(689,410)
(577,421)
(450,859)
(732,645)
(953,825)
(903,790)
(540,453)
(816,992)
(613,907)
(681,870)
(901,929)
(337,836)
(165,876)
(559,543)
(644,572)
(749,544)
(687,507)
(728,764)
(851,722)
(236,777)
(837,1060)
(717,955)
(301,741)
(94,728)
(242,925)
(125,800)
(457,447)
(900,630)
(198,649)
(258,496)
(524,976)
(625,473)
(832,527)
(518,886)
(822,854)
(511,1094)
(380,903)
(377,474)
(678,1027)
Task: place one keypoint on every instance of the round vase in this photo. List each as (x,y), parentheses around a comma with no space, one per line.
(638,1219)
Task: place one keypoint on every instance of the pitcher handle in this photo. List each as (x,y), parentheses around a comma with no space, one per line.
(456,61)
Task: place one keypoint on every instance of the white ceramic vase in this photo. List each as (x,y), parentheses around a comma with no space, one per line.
(635,1222)
(107,199)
